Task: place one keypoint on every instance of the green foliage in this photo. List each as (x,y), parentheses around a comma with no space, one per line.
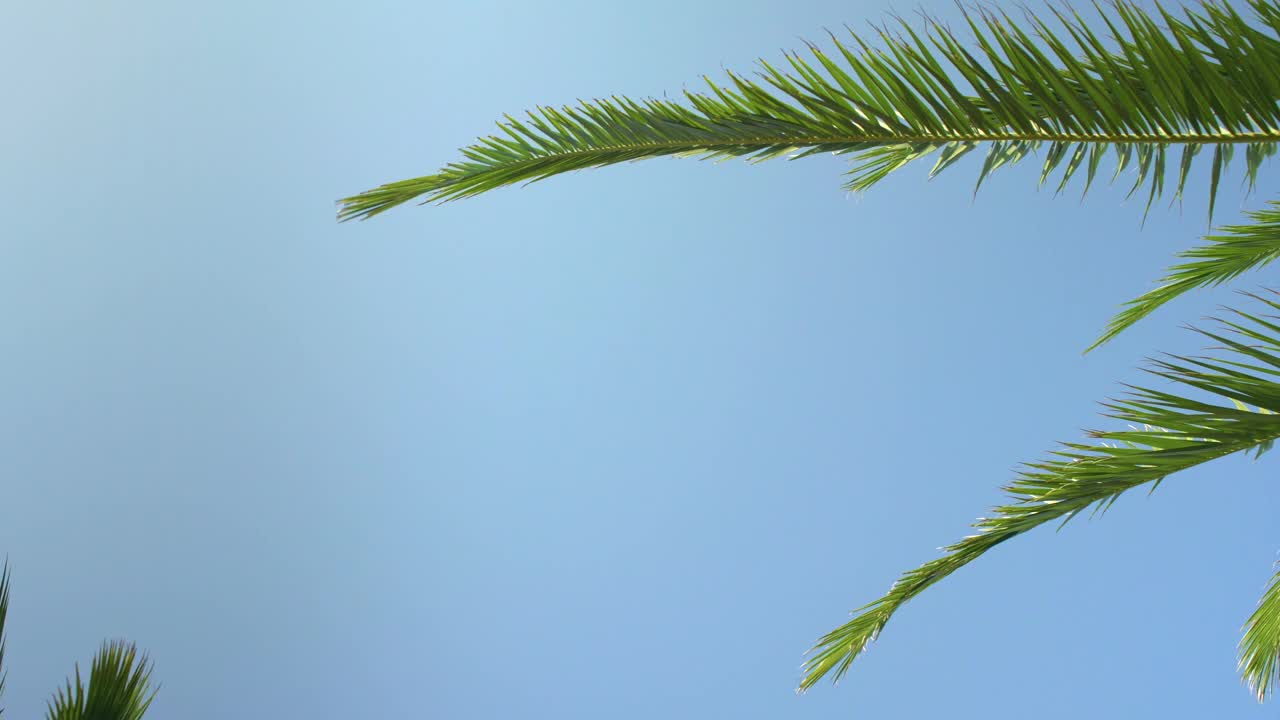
(1168,432)
(1260,647)
(1209,80)
(1206,80)
(119,681)
(119,688)
(1239,249)
(4,613)
(1158,93)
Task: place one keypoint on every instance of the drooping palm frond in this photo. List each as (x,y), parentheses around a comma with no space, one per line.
(1169,432)
(1260,647)
(1208,79)
(119,688)
(1238,249)
(4,613)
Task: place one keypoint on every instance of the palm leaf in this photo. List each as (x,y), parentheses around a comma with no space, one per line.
(1169,432)
(119,688)
(1240,248)
(4,613)
(1206,79)
(1260,647)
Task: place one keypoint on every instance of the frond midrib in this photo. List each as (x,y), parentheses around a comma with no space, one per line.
(818,141)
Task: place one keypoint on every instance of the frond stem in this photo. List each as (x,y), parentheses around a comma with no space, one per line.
(841,142)
(1048,137)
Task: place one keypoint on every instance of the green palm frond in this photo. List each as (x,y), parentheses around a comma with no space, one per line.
(1205,80)
(1239,249)
(119,688)
(1260,647)
(1168,432)
(4,613)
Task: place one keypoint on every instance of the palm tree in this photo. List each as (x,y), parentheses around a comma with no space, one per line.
(1204,81)
(119,681)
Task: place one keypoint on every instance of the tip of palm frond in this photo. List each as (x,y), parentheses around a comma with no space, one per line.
(1125,319)
(835,652)
(831,658)
(119,684)
(1235,250)
(1113,329)
(384,197)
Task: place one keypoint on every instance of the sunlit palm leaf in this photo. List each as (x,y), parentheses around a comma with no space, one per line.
(1208,79)
(1260,648)
(1168,432)
(119,688)
(1240,248)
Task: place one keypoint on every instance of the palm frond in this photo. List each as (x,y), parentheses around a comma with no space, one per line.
(1168,432)
(1238,249)
(4,613)
(119,688)
(1207,79)
(1260,647)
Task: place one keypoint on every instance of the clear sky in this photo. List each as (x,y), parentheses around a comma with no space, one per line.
(620,444)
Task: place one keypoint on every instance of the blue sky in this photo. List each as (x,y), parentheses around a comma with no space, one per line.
(618,444)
